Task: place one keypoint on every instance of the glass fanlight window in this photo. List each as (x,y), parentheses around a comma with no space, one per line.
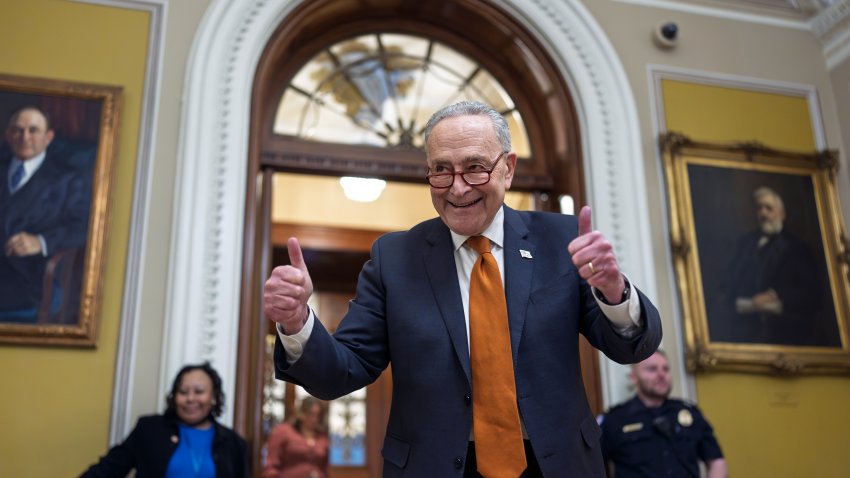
(380,89)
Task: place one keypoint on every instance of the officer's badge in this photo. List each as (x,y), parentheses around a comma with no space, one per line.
(632,427)
(685,418)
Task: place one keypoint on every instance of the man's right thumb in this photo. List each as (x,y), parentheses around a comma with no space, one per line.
(296,258)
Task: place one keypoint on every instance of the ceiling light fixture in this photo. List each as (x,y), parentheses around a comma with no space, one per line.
(362,189)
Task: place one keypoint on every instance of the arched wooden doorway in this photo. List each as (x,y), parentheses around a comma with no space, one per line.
(480,30)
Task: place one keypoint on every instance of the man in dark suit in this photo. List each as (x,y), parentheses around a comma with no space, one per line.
(412,309)
(44,209)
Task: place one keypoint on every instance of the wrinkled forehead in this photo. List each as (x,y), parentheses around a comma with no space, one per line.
(461,140)
(458,130)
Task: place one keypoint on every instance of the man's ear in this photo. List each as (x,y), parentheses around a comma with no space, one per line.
(49,136)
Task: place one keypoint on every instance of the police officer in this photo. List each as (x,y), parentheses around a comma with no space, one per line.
(652,435)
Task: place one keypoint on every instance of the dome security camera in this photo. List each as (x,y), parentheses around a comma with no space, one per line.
(666,34)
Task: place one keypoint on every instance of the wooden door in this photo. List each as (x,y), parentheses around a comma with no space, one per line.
(334,257)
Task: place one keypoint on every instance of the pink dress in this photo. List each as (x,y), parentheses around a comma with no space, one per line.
(291,455)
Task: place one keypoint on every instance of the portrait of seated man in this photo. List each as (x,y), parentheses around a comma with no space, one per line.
(45,199)
(775,290)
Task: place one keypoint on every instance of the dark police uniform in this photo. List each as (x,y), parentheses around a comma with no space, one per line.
(657,442)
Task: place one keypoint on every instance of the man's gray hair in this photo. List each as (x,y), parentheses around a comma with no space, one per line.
(471,108)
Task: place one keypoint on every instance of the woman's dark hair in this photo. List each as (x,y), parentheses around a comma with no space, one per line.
(218,393)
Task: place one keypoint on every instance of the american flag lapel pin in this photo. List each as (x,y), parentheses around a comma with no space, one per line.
(525,254)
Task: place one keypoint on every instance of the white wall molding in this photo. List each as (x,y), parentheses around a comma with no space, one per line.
(725,13)
(202,307)
(832,28)
(122,390)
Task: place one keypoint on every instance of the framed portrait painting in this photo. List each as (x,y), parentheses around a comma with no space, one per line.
(761,257)
(56,161)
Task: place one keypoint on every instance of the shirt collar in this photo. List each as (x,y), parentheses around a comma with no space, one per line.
(31,165)
(495,231)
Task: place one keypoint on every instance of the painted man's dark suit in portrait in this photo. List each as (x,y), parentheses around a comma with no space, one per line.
(412,312)
(53,204)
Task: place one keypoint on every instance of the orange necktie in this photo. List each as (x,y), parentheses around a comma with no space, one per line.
(498,438)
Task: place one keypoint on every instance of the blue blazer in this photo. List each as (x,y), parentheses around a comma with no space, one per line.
(55,203)
(408,312)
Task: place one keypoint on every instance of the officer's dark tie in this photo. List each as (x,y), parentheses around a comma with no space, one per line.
(17,176)
(498,438)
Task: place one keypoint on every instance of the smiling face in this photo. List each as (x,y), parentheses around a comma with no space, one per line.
(28,134)
(468,143)
(193,399)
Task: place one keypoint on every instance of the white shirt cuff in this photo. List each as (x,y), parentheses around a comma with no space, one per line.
(624,317)
(293,344)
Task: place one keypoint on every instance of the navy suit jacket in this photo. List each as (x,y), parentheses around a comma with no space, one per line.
(55,203)
(408,312)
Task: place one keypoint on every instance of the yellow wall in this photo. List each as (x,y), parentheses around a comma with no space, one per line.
(768,427)
(719,114)
(55,404)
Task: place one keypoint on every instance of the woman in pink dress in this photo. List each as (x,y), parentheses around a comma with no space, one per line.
(299,449)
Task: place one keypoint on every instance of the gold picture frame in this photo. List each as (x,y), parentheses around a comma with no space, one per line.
(65,203)
(760,255)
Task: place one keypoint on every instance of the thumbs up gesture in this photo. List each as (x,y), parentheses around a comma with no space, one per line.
(286,292)
(594,257)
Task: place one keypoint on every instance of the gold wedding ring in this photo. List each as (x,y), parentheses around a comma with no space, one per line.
(592,270)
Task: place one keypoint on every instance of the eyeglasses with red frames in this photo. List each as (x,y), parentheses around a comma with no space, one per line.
(473,178)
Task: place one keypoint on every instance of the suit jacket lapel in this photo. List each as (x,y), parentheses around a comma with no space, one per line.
(45,177)
(518,274)
(439,260)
